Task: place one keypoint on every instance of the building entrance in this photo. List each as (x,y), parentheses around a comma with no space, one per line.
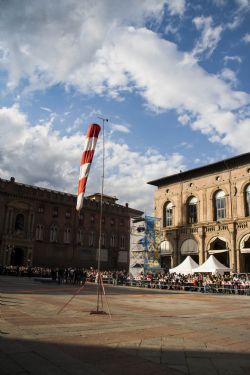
(166,262)
(17,257)
(245,262)
(223,258)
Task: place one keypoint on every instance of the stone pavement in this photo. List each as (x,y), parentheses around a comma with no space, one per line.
(149,332)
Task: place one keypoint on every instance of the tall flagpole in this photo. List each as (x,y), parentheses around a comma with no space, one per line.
(100,286)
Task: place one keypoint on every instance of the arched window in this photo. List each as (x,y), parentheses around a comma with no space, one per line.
(53,233)
(247,200)
(192,210)
(122,242)
(220,205)
(80,237)
(19,223)
(113,240)
(39,232)
(168,214)
(67,235)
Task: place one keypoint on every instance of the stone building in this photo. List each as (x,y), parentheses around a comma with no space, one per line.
(206,211)
(41,227)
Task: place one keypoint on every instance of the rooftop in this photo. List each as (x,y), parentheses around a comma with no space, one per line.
(218,166)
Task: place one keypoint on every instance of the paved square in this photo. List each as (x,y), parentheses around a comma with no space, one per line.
(149,332)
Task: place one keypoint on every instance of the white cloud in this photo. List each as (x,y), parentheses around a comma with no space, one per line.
(228,75)
(39,155)
(176,7)
(246,38)
(120,128)
(89,46)
(46,109)
(233,58)
(243,3)
(235,23)
(46,43)
(210,36)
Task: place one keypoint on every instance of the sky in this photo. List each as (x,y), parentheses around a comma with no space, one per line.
(171,77)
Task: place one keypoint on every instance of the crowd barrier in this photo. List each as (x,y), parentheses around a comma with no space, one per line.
(209,288)
(235,288)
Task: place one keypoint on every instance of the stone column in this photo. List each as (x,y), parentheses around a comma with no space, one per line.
(201,233)
(232,250)
(175,257)
(238,257)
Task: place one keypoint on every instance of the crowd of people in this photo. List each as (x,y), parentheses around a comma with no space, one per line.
(227,284)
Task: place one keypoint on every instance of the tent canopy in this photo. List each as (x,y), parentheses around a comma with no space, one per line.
(186,267)
(212,265)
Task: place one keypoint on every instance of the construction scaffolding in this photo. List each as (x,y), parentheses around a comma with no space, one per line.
(144,245)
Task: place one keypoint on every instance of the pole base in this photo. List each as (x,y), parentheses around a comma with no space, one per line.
(98,312)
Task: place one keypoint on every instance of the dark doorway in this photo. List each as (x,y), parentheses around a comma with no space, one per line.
(166,262)
(223,258)
(17,257)
(245,262)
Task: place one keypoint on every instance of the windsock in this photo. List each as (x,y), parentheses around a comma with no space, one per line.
(87,157)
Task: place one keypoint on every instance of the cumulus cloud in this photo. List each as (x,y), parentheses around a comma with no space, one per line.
(46,43)
(39,155)
(90,47)
(229,76)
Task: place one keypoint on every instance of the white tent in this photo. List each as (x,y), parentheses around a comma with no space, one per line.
(212,265)
(186,267)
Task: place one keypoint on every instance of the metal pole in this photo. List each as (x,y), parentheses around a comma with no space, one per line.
(99,281)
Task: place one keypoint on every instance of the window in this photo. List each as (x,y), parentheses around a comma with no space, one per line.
(41,210)
(112,221)
(220,205)
(247,200)
(80,237)
(39,232)
(67,235)
(122,242)
(113,240)
(91,239)
(67,214)
(92,219)
(192,210)
(103,240)
(55,212)
(53,233)
(19,223)
(168,214)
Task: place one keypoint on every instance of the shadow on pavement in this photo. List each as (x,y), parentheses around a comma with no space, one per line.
(45,358)
(22,285)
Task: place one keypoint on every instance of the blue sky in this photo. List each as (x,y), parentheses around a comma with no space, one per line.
(172,77)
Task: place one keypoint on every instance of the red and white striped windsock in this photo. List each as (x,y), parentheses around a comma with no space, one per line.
(87,156)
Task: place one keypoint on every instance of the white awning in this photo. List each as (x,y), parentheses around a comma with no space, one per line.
(217,251)
(245,251)
(166,248)
(189,246)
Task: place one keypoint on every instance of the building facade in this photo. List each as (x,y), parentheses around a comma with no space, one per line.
(206,211)
(41,227)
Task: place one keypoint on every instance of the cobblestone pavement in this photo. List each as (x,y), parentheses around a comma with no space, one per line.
(149,332)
